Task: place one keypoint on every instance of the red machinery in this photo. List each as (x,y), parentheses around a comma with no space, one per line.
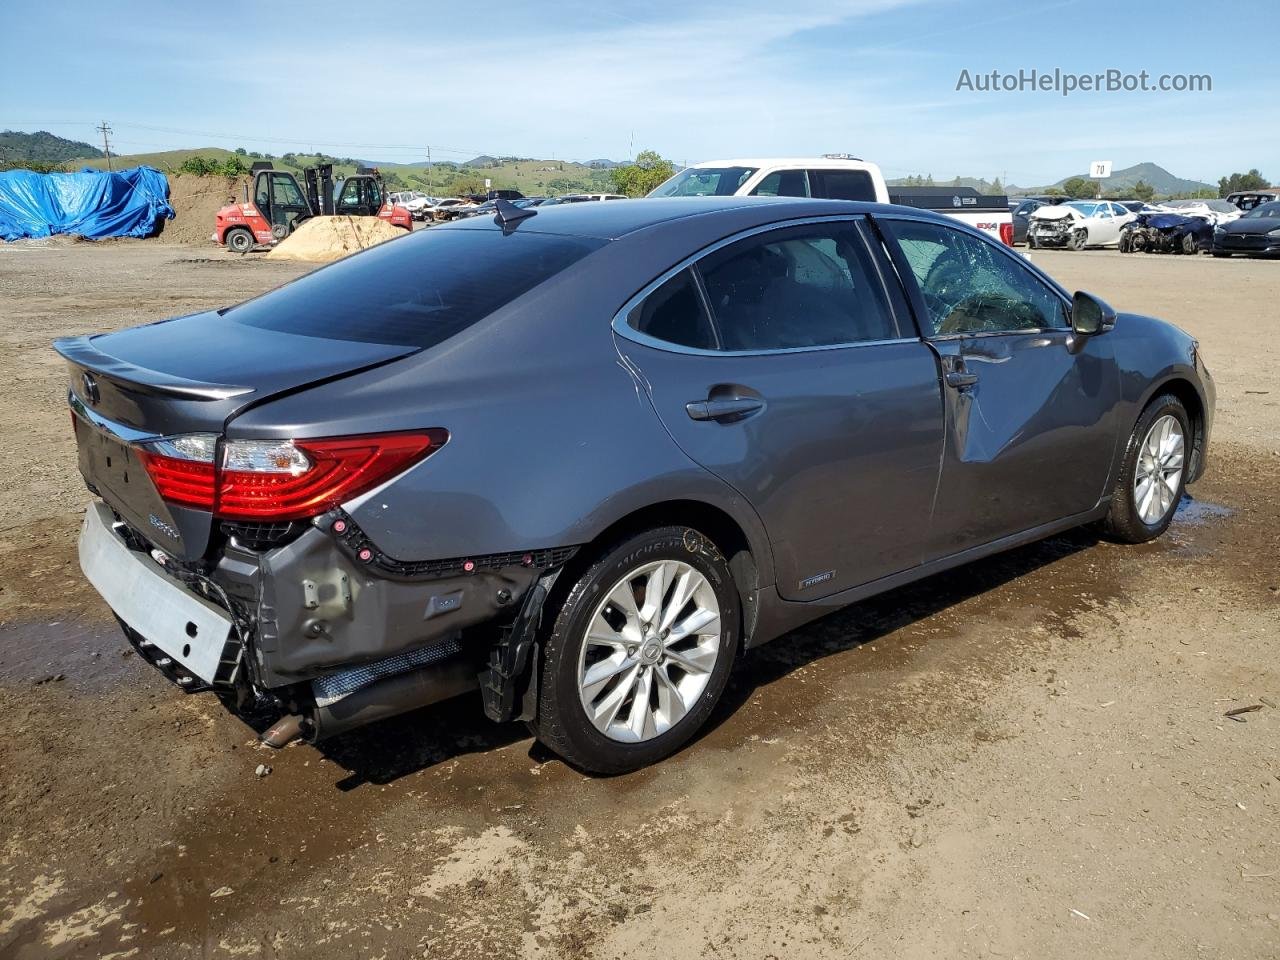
(277,204)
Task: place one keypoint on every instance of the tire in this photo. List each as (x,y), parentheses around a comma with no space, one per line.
(1078,239)
(1133,517)
(238,240)
(629,733)
(1032,243)
(1126,243)
(1188,243)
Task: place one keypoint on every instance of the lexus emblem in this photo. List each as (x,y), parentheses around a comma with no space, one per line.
(90,387)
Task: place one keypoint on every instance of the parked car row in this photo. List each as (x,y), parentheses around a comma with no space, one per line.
(1174,226)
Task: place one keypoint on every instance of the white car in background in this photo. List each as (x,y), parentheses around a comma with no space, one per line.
(836,176)
(449,209)
(1078,224)
(414,201)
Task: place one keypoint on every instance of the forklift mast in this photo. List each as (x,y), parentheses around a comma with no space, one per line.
(320,188)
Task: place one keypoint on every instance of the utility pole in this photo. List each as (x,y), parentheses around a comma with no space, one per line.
(105,130)
(429,193)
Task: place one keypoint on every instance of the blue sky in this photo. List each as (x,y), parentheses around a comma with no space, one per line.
(693,80)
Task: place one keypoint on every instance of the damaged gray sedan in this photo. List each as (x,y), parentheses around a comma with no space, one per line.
(580,458)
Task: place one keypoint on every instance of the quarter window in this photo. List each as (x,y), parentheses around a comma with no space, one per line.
(674,313)
(971,286)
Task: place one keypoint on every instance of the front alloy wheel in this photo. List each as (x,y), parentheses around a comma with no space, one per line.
(1157,480)
(1153,473)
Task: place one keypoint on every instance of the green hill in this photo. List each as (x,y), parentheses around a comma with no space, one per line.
(531,177)
(41,148)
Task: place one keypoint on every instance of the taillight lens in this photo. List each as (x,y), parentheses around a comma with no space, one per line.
(182,469)
(279,479)
(1006,234)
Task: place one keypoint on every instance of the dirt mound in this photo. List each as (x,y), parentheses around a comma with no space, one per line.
(195,200)
(322,239)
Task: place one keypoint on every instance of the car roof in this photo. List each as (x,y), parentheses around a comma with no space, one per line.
(610,221)
(829,162)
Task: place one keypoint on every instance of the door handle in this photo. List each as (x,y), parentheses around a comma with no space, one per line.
(960,379)
(724,410)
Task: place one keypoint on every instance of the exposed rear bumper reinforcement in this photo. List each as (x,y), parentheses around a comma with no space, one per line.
(353,698)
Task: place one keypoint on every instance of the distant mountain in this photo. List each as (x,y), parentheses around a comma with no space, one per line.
(42,147)
(1122,181)
(601,164)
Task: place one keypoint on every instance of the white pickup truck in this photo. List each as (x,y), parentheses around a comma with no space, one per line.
(836,177)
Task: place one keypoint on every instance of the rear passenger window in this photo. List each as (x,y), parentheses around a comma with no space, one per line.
(842,185)
(807,286)
(673,313)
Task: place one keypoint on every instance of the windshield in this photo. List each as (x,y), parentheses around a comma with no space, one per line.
(705,182)
(416,290)
(1264,210)
(1088,209)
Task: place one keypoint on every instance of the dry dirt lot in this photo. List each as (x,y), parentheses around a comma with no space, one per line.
(1024,758)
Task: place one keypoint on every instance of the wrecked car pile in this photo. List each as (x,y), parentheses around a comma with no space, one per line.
(1166,233)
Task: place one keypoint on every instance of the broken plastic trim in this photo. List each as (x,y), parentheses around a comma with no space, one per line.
(359,547)
(513,662)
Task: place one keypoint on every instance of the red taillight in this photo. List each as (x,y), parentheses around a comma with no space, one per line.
(340,469)
(282,480)
(1006,234)
(188,483)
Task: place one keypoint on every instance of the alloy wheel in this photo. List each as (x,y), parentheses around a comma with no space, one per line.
(650,650)
(1158,474)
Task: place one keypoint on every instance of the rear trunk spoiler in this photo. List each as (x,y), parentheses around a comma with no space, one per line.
(82,352)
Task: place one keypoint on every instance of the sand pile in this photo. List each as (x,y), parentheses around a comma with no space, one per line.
(322,239)
(195,200)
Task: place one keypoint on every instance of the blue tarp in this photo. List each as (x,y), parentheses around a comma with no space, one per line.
(91,203)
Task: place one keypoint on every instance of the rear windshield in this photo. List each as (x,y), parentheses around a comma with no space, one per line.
(415,291)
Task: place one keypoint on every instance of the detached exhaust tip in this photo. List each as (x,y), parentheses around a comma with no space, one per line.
(284,731)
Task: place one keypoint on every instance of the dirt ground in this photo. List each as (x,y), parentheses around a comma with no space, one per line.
(1027,757)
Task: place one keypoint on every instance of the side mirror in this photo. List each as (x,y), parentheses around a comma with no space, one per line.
(1089,315)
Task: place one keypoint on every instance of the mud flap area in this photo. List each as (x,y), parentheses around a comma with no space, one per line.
(509,684)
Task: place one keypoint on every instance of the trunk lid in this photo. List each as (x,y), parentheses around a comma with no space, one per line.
(188,375)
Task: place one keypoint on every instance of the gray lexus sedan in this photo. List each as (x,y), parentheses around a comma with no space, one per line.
(580,458)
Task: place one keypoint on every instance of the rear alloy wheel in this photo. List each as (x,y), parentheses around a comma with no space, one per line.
(640,652)
(239,240)
(1153,475)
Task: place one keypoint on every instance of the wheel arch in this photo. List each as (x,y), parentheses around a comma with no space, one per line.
(749,563)
(1193,403)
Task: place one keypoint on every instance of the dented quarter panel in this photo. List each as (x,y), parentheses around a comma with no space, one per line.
(318,609)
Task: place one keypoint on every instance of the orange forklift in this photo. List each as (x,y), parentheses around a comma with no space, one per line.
(274,205)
